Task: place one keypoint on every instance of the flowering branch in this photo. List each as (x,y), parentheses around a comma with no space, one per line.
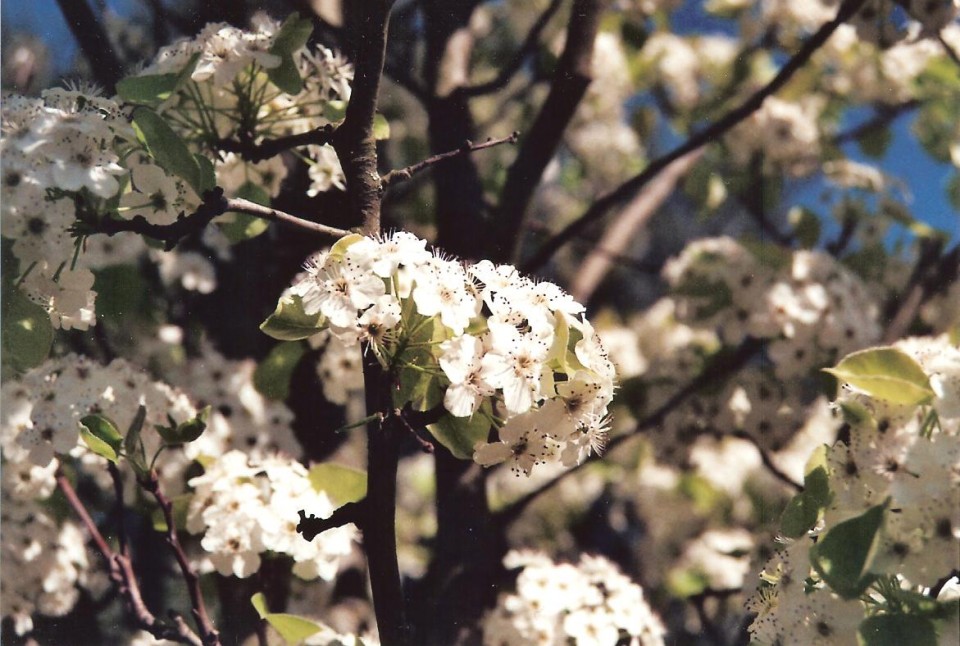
(403,174)
(528,47)
(211,637)
(712,132)
(268,148)
(214,204)
(121,573)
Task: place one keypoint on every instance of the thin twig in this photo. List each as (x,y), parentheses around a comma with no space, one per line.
(210,636)
(268,148)
(932,273)
(951,52)
(768,461)
(527,49)
(121,573)
(885,115)
(118,493)
(214,204)
(403,174)
(599,208)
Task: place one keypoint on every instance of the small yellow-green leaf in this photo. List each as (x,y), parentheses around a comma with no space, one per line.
(27,333)
(885,373)
(334,111)
(340,246)
(381,127)
(292,628)
(289,322)
(273,374)
(103,428)
(148,88)
(341,483)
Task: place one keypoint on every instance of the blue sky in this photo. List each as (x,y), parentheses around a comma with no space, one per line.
(905,159)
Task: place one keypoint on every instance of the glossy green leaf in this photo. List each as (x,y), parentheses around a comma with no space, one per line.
(104,429)
(843,555)
(187,431)
(460,434)
(289,322)
(98,446)
(273,374)
(885,373)
(166,146)
(207,174)
(27,333)
(242,226)
(799,516)
(132,445)
(286,76)
(896,630)
(341,483)
(147,88)
(292,628)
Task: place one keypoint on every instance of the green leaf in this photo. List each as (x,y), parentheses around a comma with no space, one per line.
(292,628)
(293,34)
(416,384)
(98,446)
(103,428)
(180,506)
(27,333)
(843,555)
(341,483)
(461,434)
(799,516)
(290,323)
(187,431)
(381,127)
(273,374)
(132,445)
(148,88)
(166,146)
(885,373)
(243,226)
(896,630)
(875,142)
(207,176)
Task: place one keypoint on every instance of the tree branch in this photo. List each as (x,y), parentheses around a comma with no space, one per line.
(272,147)
(93,41)
(528,47)
(403,174)
(352,512)
(712,374)
(570,81)
(210,636)
(931,273)
(599,208)
(885,115)
(354,140)
(768,462)
(121,573)
(214,204)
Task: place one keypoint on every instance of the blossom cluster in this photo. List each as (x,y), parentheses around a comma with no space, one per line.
(232,94)
(246,507)
(904,459)
(811,308)
(591,602)
(495,348)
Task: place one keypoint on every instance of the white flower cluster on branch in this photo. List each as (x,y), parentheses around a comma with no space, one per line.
(494,348)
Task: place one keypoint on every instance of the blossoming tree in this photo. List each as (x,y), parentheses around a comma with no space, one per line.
(246,400)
